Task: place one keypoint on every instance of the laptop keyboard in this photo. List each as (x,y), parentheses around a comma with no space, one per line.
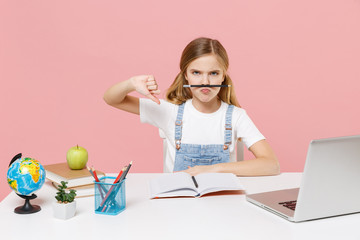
(289,204)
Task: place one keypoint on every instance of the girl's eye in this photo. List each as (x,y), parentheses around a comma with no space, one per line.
(214,73)
(196,73)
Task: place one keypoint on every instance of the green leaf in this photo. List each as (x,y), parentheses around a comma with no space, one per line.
(64,184)
(62,195)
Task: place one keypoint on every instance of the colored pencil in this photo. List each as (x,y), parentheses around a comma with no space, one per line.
(123,176)
(97,180)
(119,175)
(91,172)
(95,174)
(112,187)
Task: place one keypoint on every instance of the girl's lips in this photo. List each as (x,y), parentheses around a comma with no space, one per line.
(205,90)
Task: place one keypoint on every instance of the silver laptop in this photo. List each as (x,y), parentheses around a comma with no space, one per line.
(330,184)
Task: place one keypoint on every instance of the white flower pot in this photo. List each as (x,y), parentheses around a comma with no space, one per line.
(64,210)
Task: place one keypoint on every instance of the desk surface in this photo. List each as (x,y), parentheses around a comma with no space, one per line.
(212,217)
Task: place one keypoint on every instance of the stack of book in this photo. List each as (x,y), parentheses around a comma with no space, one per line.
(80,180)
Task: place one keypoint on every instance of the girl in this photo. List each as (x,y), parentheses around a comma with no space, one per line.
(201,123)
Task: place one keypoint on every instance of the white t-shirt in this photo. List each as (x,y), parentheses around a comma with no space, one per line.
(198,128)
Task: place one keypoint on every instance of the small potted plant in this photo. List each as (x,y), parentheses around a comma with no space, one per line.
(65,206)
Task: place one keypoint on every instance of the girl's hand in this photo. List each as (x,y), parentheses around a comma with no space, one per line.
(147,86)
(193,171)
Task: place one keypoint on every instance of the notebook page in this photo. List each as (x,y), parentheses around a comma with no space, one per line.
(177,193)
(211,182)
(171,182)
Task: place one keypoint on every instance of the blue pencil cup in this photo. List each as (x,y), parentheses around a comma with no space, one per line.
(109,197)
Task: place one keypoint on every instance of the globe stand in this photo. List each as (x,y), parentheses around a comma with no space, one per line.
(27,208)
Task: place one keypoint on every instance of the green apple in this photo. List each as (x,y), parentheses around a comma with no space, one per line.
(77,157)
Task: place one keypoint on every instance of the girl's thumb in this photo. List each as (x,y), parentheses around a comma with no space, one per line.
(152,97)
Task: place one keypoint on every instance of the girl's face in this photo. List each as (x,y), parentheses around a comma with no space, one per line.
(205,70)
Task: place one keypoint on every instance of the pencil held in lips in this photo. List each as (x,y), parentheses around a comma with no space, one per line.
(188,86)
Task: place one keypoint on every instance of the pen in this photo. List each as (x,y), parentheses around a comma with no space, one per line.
(186,86)
(194,180)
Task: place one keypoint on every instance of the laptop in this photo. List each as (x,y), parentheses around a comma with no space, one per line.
(330,184)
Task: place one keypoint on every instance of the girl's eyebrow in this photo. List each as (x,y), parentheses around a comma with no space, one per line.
(196,70)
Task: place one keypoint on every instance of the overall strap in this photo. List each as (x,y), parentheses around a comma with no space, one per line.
(228,127)
(178,126)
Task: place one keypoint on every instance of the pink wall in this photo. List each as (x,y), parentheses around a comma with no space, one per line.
(295,65)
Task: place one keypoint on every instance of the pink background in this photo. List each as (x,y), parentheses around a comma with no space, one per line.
(295,65)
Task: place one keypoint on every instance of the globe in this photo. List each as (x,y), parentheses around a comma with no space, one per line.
(25,176)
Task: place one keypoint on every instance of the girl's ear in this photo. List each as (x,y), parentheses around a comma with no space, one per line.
(224,79)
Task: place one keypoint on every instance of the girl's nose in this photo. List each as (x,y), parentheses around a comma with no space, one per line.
(205,79)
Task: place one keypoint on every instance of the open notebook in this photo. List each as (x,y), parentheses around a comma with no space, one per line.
(182,184)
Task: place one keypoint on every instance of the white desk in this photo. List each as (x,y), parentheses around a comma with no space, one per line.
(213,217)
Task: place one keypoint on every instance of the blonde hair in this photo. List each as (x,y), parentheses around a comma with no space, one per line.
(199,47)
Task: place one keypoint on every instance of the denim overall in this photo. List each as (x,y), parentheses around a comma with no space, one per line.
(190,155)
